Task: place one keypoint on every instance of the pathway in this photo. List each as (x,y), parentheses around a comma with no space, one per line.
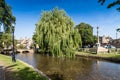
(1,73)
(5,73)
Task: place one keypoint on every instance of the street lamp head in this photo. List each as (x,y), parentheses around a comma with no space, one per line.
(13,24)
(97,27)
(13,27)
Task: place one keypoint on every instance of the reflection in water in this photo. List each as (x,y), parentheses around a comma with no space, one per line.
(73,69)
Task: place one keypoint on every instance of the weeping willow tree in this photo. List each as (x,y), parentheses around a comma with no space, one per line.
(56,35)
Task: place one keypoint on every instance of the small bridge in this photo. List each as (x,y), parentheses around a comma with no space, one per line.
(25,50)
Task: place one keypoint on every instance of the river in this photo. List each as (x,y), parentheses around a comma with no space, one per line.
(72,69)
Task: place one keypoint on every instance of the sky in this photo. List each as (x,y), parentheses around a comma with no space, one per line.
(28,12)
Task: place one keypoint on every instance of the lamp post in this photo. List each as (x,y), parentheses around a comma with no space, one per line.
(13,53)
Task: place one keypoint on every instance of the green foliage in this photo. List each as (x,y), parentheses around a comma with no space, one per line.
(6,38)
(6,17)
(112,4)
(95,39)
(1,46)
(118,30)
(86,32)
(21,46)
(55,33)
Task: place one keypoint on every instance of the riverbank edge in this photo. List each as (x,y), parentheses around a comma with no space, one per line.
(116,60)
(35,69)
(30,66)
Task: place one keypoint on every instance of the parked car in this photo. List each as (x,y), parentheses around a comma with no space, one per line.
(109,46)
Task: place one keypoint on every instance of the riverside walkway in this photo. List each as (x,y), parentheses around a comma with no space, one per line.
(1,73)
(18,70)
(5,73)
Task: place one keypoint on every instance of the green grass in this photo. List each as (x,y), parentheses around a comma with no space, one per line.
(18,70)
(107,55)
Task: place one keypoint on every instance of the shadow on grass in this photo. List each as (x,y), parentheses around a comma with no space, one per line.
(28,74)
(11,66)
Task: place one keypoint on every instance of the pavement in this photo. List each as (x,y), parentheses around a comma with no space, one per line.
(2,73)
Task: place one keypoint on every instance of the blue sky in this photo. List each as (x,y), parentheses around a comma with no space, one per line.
(28,13)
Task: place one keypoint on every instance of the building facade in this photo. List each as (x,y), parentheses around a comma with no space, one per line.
(105,40)
(25,42)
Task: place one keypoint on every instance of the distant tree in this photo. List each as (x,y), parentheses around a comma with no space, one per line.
(55,34)
(112,4)
(21,46)
(94,39)
(86,32)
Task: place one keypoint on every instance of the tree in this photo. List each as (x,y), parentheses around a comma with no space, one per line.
(55,34)
(118,30)
(86,32)
(6,20)
(6,17)
(94,39)
(7,39)
(112,4)
(1,45)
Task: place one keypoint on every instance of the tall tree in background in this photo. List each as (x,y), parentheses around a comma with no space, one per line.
(86,32)
(55,34)
(112,4)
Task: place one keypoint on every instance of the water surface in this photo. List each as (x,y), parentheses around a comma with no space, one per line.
(73,69)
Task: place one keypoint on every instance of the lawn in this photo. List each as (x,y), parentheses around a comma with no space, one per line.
(18,70)
(106,55)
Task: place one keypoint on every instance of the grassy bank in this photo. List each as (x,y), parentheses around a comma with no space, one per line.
(18,70)
(106,56)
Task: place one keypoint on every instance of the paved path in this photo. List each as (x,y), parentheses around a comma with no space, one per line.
(1,73)
(5,74)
